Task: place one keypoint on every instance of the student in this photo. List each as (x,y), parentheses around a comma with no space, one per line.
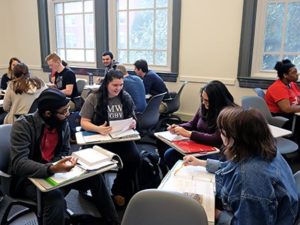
(135,87)
(109,103)
(38,140)
(65,79)
(255,184)
(283,96)
(203,127)
(20,93)
(153,83)
(9,75)
(109,63)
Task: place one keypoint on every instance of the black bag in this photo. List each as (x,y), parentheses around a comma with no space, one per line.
(74,121)
(149,172)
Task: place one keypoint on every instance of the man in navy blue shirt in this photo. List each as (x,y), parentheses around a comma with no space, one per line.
(135,87)
(153,83)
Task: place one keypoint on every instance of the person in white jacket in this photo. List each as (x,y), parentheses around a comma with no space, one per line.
(20,93)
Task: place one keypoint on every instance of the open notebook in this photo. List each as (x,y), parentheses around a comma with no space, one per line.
(88,160)
(120,129)
(193,181)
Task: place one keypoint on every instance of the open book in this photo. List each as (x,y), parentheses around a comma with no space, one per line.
(90,160)
(193,181)
(120,130)
(96,157)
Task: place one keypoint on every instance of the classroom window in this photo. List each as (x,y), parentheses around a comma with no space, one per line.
(143,30)
(277,35)
(72,28)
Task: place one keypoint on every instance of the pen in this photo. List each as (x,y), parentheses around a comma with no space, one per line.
(177,170)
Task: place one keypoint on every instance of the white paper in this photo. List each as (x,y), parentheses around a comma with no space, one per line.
(171,137)
(192,179)
(120,125)
(96,137)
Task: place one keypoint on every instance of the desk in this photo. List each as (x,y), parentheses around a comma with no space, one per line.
(44,186)
(193,179)
(80,139)
(279,132)
(91,87)
(1,103)
(157,134)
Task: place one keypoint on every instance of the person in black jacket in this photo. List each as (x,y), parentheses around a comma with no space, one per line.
(38,140)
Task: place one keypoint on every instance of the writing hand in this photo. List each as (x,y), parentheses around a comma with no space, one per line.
(171,128)
(64,165)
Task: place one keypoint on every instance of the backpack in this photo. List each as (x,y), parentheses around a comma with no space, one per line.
(149,172)
(74,121)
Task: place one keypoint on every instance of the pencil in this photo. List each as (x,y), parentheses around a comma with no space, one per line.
(177,170)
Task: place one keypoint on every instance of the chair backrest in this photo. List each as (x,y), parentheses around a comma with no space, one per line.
(174,104)
(5,131)
(4,146)
(297,179)
(153,207)
(260,92)
(259,104)
(150,117)
(80,86)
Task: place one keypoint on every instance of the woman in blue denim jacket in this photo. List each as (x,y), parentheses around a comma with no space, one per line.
(255,184)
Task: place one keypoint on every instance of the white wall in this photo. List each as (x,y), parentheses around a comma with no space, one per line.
(209,44)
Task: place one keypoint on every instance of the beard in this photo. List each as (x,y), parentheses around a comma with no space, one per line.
(53,121)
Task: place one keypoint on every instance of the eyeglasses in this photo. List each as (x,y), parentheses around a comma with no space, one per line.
(65,112)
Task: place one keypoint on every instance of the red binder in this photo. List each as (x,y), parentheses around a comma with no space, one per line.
(189,147)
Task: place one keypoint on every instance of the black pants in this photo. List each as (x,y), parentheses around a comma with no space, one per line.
(129,154)
(54,204)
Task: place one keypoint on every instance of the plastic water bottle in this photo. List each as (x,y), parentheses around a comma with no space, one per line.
(91,78)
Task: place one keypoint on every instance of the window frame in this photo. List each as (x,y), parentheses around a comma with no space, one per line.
(102,38)
(248,49)
(113,34)
(52,36)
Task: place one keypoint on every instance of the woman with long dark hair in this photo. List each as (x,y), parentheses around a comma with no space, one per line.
(110,103)
(203,127)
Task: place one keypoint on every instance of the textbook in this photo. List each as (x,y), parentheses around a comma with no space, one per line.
(194,182)
(96,157)
(88,159)
(191,147)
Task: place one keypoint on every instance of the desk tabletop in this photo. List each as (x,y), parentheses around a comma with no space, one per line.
(92,87)
(279,132)
(157,134)
(44,186)
(194,180)
(80,139)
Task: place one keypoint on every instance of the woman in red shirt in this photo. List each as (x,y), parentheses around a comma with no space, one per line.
(283,96)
